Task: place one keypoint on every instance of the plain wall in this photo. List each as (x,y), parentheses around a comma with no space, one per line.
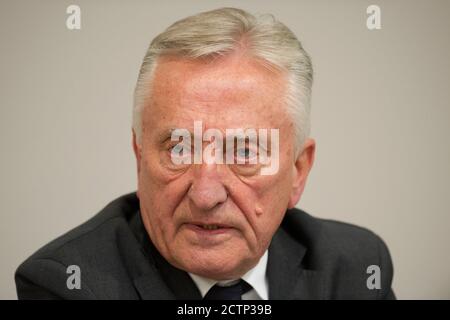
(380,116)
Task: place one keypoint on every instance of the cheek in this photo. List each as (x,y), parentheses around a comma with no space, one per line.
(160,195)
(264,200)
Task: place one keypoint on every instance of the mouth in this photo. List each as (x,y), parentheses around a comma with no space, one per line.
(208,228)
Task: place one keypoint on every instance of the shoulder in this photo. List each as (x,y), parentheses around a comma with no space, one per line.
(346,253)
(105,223)
(92,246)
(333,237)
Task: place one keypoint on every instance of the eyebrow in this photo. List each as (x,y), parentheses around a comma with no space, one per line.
(166,134)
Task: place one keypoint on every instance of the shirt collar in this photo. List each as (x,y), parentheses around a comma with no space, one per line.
(256,277)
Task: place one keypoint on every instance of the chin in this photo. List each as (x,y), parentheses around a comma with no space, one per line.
(216,272)
(216,265)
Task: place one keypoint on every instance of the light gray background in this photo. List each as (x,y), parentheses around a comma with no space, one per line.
(381,119)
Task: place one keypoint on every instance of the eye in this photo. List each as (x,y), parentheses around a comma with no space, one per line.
(176,148)
(179,153)
(245,155)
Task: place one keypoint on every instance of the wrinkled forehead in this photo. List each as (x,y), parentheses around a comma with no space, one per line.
(233,90)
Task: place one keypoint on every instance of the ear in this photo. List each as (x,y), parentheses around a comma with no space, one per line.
(137,153)
(301,169)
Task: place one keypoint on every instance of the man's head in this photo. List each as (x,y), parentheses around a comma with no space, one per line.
(228,70)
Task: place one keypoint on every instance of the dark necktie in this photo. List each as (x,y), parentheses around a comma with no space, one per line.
(233,292)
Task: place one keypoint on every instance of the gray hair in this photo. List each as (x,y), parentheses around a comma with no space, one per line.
(219,32)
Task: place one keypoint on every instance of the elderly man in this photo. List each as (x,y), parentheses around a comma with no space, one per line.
(221,138)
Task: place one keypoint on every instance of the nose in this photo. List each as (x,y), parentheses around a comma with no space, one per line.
(207,190)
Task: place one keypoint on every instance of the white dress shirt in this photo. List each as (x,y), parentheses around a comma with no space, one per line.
(255,277)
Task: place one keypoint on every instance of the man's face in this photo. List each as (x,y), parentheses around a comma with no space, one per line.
(177,201)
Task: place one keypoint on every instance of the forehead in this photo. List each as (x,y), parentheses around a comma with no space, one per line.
(229,91)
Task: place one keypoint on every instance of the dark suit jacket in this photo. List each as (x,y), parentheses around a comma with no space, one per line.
(309,258)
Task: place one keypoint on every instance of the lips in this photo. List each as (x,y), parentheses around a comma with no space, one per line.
(208,228)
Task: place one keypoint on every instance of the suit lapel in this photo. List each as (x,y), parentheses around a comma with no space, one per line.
(179,281)
(175,285)
(151,287)
(288,280)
